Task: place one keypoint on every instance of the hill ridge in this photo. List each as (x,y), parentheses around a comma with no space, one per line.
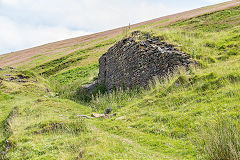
(23,56)
(181,117)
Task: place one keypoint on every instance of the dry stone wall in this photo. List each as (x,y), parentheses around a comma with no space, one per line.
(131,63)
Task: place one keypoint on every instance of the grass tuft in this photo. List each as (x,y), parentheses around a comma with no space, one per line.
(220,141)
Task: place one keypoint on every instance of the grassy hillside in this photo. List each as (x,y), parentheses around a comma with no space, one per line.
(193,115)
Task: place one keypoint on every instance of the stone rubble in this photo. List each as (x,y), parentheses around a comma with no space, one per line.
(15,78)
(107,116)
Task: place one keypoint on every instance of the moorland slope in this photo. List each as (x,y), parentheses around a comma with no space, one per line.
(192,115)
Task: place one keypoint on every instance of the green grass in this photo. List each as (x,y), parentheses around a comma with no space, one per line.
(220,140)
(173,119)
(5,109)
(53,67)
(81,74)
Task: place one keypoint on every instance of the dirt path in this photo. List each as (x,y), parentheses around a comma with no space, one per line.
(24,56)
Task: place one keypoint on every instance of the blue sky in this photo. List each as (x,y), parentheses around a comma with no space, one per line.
(29,23)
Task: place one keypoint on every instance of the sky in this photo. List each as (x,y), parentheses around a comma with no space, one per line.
(28,23)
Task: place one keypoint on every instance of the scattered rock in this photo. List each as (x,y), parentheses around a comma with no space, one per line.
(51,94)
(89,88)
(22,81)
(8,146)
(180,45)
(108,116)
(1,69)
(12,78)
(121,118)
(16,78)
(96,115)
(22,76)
(108,111)
(12,68)
(136,33)
(39,100)
(84,116)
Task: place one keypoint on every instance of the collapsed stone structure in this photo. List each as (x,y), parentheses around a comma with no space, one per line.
(136,60)
(131,63)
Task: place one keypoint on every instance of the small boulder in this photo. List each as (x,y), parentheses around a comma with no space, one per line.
(108,111)
(89,88)
(39,100)
(84,116)
(22,76)
(12,78)
(121,118)
(52,94)
(96,115)
(22,81)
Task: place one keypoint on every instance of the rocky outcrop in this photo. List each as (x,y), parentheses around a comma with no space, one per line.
(132,63)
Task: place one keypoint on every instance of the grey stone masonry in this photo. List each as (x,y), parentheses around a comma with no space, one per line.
(131,62)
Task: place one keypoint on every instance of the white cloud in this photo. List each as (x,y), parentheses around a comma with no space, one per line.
(13,37)
(10,2)
(92,14)
(26,23)
(216,1)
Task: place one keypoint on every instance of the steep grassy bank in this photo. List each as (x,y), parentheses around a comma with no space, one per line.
(165,121)
(47,127)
